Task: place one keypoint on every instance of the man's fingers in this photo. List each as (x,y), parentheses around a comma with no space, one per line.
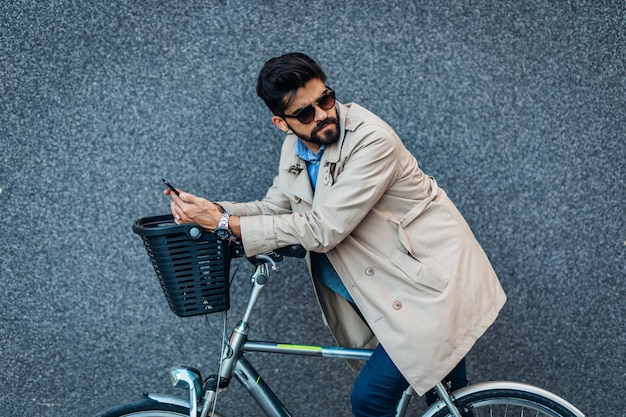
(174,209)
(188,198)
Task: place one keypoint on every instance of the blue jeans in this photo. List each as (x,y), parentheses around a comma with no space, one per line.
(379,386)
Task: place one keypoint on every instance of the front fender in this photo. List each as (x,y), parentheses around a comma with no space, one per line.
(167,399)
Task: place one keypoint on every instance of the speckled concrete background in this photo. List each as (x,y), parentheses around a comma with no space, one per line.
(516,107)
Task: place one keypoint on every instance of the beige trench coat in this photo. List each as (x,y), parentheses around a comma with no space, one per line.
(406,255)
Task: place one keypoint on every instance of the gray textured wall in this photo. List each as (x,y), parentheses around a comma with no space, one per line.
(517,107)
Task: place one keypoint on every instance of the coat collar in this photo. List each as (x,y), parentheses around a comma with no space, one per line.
(301,187)
(348,122)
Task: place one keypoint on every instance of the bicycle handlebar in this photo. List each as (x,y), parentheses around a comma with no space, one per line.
(277,255)
(292,251)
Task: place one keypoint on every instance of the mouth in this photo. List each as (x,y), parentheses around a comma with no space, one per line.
(326,124)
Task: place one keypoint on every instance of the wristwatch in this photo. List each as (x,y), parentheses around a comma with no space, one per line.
(222,231)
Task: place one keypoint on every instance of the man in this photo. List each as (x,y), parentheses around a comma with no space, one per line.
(393,262)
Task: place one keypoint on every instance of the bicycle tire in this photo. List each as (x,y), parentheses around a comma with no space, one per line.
(504,402)
(148,408)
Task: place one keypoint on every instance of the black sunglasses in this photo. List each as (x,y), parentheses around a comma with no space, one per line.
(307,114)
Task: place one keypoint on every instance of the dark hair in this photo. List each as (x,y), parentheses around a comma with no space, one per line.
(282,76)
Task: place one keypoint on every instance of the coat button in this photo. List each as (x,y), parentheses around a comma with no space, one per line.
(369,271)
(397,305)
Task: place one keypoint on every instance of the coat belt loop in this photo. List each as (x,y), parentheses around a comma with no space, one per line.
(433,188)
(421,206)
(402,237)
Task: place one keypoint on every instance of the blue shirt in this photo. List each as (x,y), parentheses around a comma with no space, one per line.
(312,160)
(321,266)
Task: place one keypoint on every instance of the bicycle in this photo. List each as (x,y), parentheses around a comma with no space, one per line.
(193,267)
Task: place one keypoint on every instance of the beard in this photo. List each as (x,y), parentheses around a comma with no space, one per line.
(330,135)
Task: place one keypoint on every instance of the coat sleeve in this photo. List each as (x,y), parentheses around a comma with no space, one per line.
(367,167)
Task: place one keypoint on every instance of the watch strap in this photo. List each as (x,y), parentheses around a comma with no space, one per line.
(223,224)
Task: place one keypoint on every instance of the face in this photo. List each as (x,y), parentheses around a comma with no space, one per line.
(323,129)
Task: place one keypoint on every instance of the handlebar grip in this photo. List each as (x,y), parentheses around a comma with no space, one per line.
(277,255)
(292,251)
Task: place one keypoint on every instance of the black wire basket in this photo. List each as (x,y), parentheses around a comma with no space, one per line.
(193,266)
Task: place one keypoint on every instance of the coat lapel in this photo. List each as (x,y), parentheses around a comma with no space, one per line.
(301,187)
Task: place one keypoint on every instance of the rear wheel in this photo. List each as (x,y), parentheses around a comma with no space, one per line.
(509,403)
(148,408)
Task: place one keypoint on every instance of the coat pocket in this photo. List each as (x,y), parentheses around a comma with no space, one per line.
(418,272)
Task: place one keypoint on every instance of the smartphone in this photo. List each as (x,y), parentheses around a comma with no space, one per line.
(171,187)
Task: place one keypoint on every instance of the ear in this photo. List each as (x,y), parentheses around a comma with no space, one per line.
(280,123)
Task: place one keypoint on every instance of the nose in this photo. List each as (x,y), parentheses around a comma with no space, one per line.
(320,113)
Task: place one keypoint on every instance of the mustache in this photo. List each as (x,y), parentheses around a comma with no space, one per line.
(325,122)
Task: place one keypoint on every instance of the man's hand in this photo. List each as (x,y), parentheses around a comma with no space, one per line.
(187,208)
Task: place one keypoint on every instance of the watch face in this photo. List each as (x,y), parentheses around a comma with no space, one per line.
(222,234)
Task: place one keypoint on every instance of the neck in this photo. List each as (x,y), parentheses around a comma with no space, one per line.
(313,147)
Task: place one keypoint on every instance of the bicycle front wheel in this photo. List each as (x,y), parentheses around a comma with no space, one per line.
(148,408)
(511,402)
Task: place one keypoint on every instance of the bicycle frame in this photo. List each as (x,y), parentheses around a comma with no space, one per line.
(202,396)
(234,363)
